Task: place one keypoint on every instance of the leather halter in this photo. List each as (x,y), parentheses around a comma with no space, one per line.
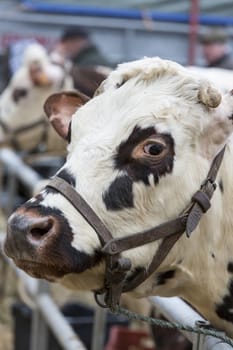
(117,280)
(12,133)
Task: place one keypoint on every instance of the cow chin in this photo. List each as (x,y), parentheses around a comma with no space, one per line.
(38,270)
(55,265)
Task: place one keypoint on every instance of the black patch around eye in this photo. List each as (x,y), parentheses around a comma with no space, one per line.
(65,175)
(17,94)
(140,169)
(119,194)
(162,277)
(125,149)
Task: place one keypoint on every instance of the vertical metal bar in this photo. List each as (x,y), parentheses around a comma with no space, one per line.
(204,341)
(196,342)
(4,270)
(39,329)
(11,189)
(198,339)
(61,329)
(193,31)
(98,333)
(128,35)
(1,176)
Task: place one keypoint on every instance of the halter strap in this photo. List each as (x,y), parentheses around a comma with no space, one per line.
(117,268)
(12,133)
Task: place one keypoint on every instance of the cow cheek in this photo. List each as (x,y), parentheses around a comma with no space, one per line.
(85,239)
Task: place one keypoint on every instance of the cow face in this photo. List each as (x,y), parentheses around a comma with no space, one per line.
(22,101)
(138,151)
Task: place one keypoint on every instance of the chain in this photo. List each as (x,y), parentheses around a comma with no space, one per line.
(173,325)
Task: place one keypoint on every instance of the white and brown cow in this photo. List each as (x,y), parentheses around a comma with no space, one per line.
(138,152)
(22,121)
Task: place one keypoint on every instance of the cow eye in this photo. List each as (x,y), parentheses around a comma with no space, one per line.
(154,149)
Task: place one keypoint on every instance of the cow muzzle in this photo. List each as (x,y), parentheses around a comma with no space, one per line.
(27,241)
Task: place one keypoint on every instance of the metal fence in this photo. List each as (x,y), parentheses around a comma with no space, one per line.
(47,315)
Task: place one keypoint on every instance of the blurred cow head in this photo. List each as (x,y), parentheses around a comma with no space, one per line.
(21,103)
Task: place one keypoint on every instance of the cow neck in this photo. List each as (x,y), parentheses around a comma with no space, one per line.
(117,275)
(12,133)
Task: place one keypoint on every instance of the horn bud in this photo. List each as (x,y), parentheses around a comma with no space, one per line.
(209,96)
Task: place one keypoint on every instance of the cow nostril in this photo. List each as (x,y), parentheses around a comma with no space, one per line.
(40,229)
(39,232)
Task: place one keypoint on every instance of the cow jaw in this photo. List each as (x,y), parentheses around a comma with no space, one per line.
(91,279)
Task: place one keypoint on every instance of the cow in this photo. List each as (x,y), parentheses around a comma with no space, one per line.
(141,157)
(23,124)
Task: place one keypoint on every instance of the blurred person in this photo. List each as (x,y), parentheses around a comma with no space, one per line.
(215,48)
(75,45)
(77,54)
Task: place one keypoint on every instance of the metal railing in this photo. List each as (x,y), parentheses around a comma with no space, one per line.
(176,310)
(46,314)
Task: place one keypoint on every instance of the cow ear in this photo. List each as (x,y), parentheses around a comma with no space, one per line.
(60,107)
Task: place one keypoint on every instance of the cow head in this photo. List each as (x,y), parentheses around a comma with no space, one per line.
(21,103)
(137,152)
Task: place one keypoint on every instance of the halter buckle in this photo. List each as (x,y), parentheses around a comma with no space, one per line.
(114,282)
(97,295)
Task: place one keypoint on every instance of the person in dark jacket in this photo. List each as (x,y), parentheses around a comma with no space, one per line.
(76,45)
(84,61)
(215,48)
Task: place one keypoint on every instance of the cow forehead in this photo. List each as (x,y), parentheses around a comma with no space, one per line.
(117,111)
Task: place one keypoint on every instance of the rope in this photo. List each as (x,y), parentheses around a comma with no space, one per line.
(172,325)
